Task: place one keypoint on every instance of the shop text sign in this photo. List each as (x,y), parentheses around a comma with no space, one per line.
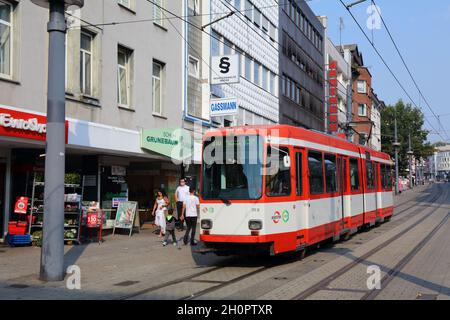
(172,143)
(223,107)
(225,69)
(24,125)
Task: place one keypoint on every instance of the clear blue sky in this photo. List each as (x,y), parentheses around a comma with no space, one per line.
(421,30)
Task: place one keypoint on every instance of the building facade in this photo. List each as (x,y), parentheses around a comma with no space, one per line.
(117,88)
(252,34)
(344,80)
(301,70)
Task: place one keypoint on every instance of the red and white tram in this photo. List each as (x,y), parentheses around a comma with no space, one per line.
(281,188)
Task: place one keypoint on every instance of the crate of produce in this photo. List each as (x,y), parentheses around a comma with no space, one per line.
(17,228)
(18,240)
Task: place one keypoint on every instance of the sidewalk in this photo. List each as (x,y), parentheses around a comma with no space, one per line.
(119,260)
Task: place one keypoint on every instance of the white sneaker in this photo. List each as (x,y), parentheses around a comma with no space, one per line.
(164,243)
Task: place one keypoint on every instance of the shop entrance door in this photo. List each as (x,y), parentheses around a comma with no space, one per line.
(2,196)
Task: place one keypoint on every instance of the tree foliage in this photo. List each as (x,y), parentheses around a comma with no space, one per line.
(409,120)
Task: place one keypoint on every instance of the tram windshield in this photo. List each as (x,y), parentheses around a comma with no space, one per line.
(232,168)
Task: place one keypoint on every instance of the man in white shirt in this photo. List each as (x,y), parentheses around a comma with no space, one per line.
(190,213)
(181,195)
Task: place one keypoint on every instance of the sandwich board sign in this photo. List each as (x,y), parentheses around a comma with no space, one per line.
(225,69)
(125,216)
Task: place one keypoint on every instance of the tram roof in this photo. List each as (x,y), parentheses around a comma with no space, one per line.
(286,131)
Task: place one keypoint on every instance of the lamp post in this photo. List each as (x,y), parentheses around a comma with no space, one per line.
(52,253)
(410,154)
(396,146)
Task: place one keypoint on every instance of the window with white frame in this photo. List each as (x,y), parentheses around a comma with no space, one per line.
(123,76)
(362,110)
(125,3)
(157,87)
(362,86)
(272,83)
(194,6)
(265,78)
(248,10)
(272,32)
(86,44)
(194,67)
(265,24)
(257,17)
(6,10)
(158,12)
(256,73)
(248,68)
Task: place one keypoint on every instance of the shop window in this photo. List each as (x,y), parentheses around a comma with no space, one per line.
(278,176)
(315,166)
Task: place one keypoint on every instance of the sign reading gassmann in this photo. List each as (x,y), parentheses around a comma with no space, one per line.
(225,69)
(223,107)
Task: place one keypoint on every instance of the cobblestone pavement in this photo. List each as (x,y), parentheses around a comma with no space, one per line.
(141,268)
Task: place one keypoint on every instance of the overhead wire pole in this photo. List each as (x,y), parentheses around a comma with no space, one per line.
(396,145)
(52,253)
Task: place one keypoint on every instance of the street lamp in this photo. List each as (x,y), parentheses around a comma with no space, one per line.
(410,153)
(396,146)
(52,253)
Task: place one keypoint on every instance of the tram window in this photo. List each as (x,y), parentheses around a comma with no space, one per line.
(315,166)
(389,176)
(330,173)
(299,167)
(354,174)
(278,177)
(370,175)
(386,176)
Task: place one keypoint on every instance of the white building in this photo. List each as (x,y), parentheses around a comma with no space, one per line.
(253,35)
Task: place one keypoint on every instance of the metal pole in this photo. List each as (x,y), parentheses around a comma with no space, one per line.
(410,163)
(52,254)
(396,154)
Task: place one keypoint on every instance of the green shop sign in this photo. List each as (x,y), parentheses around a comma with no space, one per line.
(173,143)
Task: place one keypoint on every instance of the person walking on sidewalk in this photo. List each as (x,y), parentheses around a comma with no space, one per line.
(159,209)
(190,207)
(181,194)
(170,227)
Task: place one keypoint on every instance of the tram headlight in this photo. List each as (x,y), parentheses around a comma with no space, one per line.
(255,224)
(206,224)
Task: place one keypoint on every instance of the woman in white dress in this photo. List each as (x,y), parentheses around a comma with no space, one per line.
(159,209)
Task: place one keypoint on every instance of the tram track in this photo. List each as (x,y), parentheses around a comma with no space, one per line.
(392,273)
(221,284)
(324,283)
